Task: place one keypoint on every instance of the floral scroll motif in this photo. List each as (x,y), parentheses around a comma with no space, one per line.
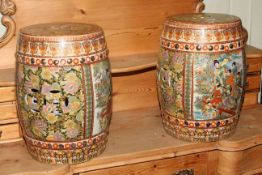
(200,6)
(7,9)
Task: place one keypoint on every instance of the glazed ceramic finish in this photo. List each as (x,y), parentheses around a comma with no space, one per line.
(63,91)
(201,75)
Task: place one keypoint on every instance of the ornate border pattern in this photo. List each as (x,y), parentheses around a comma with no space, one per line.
(62,61)
(66,145)
(7,9)
(199,123)
(194,133)
(195,47)
(75,152)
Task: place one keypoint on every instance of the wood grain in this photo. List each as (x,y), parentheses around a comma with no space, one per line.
(7,94)
(197,162)
(251,99)
(15,160)
(253,81)
(7,111)
(149,142)
(131,26)
(134,91)
(137,136)
(131,63)
(9,132)
(242,162)
(7,77)
(253,52)
(254,64)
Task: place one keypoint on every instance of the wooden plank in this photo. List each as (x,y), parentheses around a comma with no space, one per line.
(7,94)
(251,99)
(243,162)
(137,136)
(253,52)
(134,91)
(10,131)
(8,111)
(254,81)
(131,63)
(15,160)
(149,141)
(212,162)
(248,132)
(197,162)
(254,64)
(131,26)
(7,77)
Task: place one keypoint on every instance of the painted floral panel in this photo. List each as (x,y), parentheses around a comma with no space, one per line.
(51,102)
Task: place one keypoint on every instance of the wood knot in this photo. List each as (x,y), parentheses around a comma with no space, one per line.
(83,12)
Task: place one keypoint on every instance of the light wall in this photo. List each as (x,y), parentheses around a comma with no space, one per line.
(249,11)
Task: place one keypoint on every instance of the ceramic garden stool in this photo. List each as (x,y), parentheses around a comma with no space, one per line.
(201,75)
(63,91)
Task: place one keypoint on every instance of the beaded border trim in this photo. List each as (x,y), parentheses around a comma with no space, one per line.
(198,47)
(62,61)
(199,124)
(70,145)
(199,135)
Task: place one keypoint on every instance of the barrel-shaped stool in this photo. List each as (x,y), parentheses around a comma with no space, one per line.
(201,75)
(63,91)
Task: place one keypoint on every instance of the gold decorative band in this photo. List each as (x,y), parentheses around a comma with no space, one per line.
(199,123)
(62,61)
(196,47)
(61,48)
(199,131)
(70,145)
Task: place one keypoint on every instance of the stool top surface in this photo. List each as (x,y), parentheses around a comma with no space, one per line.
(60,29)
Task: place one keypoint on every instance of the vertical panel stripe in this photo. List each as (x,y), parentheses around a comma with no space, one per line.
(88,93)
(187,86)
(192,88)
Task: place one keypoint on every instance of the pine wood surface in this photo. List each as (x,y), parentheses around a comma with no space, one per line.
(251,99)
(10,131)
(246,162)
(131,63)
(137,136)
(7,111)
(253,81)
(131,26)
(168,166)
